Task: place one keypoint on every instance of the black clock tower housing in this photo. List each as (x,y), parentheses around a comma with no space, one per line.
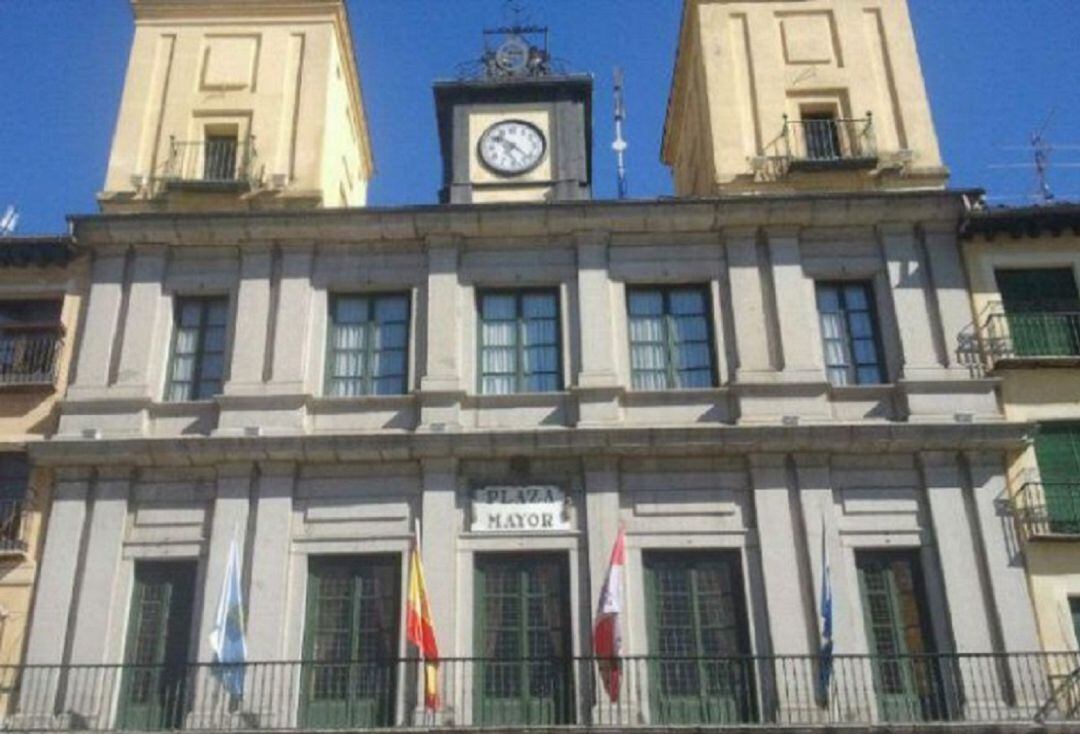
(515,81)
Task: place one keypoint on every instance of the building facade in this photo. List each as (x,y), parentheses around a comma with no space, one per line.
(764,392)
(41,283)
(1025,266)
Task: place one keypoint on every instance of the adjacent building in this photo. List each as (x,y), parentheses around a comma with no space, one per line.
(759,381)
(1024,265)
(42,280)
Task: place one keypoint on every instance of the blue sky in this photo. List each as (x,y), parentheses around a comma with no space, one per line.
(994,69)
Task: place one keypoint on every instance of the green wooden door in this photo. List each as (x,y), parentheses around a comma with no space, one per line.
(1041,310)
(351,642)
(1057,448)
(523,673)
(700,670)
(154,685)
(907,678)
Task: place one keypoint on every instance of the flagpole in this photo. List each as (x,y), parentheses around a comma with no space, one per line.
(428,717)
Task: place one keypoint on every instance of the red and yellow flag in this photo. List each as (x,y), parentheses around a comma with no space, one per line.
(420,629)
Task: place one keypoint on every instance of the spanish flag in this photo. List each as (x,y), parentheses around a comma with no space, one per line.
(420,630)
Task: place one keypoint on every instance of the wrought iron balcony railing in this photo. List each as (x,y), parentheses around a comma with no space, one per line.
(29,356)
(977,690)
(13,525)
(1032,333)
(213,162)
(1048,509)
(828,143)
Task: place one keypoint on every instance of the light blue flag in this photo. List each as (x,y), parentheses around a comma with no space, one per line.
(227,637)
(825,654)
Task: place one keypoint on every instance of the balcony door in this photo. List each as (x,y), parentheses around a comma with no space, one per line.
(1042,310)
(1057,448)
(907,678)
(523,674)
(699,645)
(154,683)
(351,643)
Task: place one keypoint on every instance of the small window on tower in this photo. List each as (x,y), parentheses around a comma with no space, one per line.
(221,151)
(821,134)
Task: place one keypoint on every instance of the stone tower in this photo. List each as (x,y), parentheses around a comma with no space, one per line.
(799,95)
(239,104)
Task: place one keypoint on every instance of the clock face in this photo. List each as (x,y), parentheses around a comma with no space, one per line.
(512,147)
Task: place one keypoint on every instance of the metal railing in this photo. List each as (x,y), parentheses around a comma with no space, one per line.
(1032,332)
(215,160)
(29,357)
(1047,509)
(818,144)
(483,693)
(13,526)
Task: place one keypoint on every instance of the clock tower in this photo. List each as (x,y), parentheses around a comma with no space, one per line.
(513,127)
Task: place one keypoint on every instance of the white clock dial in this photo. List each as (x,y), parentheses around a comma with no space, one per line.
(512,147)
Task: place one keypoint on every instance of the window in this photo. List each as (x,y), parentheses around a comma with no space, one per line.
(524,662)
(351,640)
(699,639)
(368,345)
(155,679)
(219,157)
(1074,613)
(822,136)
(30,341)
(1041,312)
(849,333)
(1057,450)
(519,342)
(670,342)
(14,483)
(198,353)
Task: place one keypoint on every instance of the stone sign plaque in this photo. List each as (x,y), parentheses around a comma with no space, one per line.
(506,509)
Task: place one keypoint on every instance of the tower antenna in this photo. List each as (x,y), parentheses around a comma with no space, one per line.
(620,145)
(1041,149)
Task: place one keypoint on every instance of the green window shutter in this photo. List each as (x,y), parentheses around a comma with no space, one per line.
(155,685)
(700,672)
(351,642)
(1057,449)
(523,673)
(1042,311)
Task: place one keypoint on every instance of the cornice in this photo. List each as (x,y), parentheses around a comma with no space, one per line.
(578,442)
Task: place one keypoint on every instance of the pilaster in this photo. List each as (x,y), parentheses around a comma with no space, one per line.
(292,323)
(441,383)
(270,560)
(749,313)
(101,319)
(908,283)
(247,364)
(439,538)
(598,386)
(795,307)
(143,324)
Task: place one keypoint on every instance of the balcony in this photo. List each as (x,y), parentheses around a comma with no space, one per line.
(29,355)
(221,163)
(1033,335)
(985,692)
(829,144)
(1048,510)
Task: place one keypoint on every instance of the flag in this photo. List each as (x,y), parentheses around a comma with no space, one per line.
(607,636)
(825,653)
(420,630)
(227,637)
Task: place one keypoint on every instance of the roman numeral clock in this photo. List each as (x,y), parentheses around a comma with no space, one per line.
(512,128)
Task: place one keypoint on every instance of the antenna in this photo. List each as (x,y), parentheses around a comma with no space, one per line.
(620,145)
(9,221)
(1041,148)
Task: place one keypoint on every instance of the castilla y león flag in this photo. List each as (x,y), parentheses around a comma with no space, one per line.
(607,636)
(420,629)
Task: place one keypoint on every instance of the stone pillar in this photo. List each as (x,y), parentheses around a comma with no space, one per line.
(291,333)
(796,309)
(54,595)
(101,319)
(957,554)
(56,577)
(782,567)
(908,283)
(750,315)
(954,315)
(1006,573)
(439,534)
(228,521)
(270,561)
(102,565)
(440,385)
(143,325)
(598,386)
(247,363)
